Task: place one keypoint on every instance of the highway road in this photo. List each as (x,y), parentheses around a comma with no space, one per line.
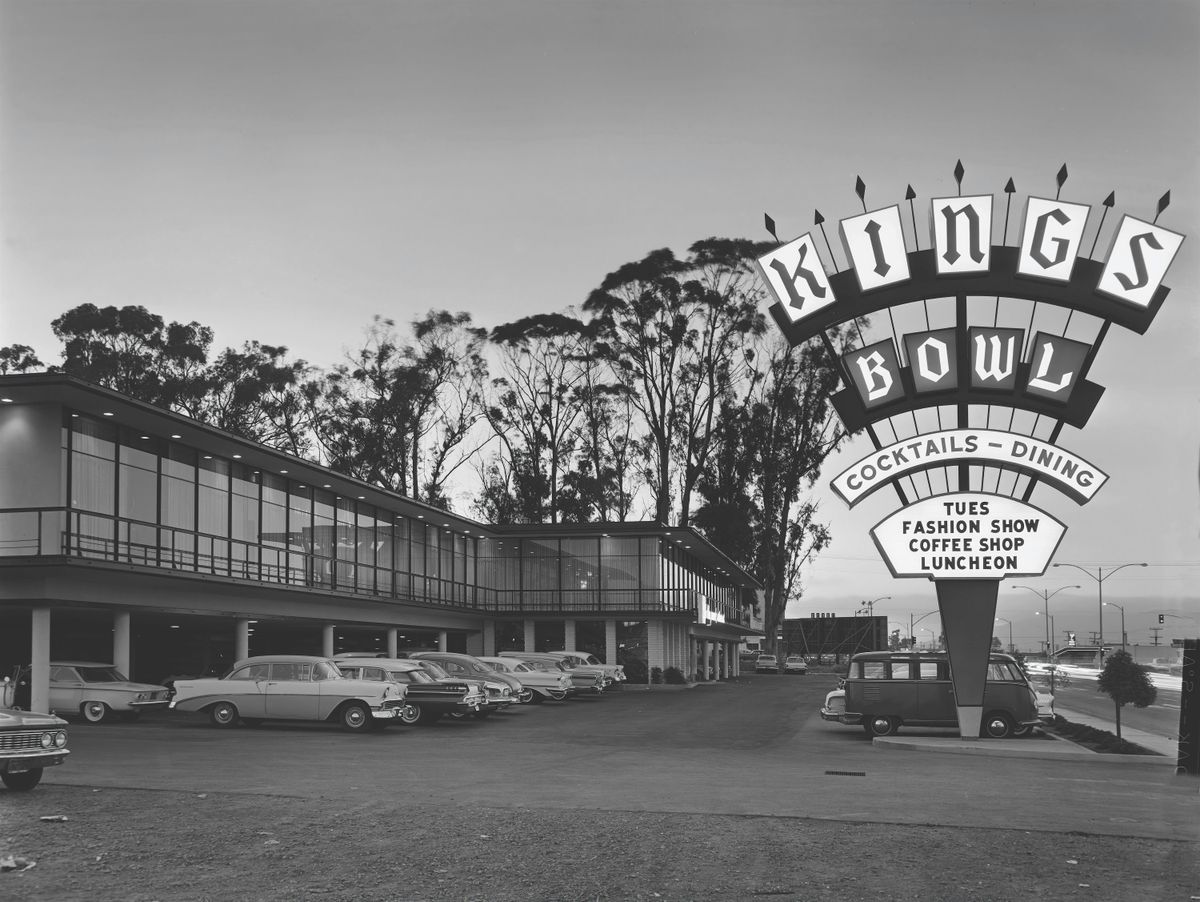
(1161,718)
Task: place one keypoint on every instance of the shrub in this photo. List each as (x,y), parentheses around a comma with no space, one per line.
(656,674)
(636,671)
(674,676)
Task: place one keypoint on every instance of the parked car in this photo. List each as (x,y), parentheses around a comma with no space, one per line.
(291,687)
(795,664)
(766,664)
(94,691)
(885,691)
(590,680)
(616,672)
(488,690)
(834,706)
(427,697)
(502,688)
(29,743)
(543,684)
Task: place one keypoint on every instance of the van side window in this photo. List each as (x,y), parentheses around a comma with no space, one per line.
(874,670)
(1001,671)
(929,671)
(902,670)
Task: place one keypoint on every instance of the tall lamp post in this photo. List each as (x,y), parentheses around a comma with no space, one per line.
(869,608)
(1100,576)
(1046,595)
(1011,648)
(912,623)
(1121,608)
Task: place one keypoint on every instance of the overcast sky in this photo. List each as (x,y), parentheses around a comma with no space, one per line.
(282,171)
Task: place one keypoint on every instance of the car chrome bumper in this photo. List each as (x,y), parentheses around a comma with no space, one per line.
(152,703)
(20,762)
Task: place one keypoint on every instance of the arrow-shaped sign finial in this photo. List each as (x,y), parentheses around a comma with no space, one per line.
(958,174)
(1163,203)
(1009,187)
(770,224)
(1061,178)
(860,188)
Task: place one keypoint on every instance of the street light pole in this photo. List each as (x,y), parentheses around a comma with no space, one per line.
(1046,595)
(1100,576)
(912,623)
(1120,608)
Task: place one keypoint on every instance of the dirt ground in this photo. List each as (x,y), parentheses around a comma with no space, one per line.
(140,845)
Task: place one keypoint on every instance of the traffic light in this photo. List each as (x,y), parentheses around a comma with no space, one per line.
(1162,618)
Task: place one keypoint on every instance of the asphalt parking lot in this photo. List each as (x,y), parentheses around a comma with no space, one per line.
(657,749)
(752,756)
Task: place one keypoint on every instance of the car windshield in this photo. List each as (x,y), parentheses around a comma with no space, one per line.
(795,659)
(521,667)
(435,671)
(411,676)
(326,670)
(101,675)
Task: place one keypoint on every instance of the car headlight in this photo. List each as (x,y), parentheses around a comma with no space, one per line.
(60,739)
(47,740)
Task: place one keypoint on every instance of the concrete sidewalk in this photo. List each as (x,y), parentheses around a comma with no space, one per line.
(1054,748)
(1163,745)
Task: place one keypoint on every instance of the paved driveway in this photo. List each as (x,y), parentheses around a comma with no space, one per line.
(754,746)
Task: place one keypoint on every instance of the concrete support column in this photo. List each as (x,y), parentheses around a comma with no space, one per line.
(529,635)
(610,641)
(327,640)
(442,644)
(569,635)
(121,643)
(393,642)
(39,660)
(489,638)
(241,640)
(656,645)
(702,670)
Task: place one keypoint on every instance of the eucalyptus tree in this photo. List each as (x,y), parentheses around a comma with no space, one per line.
(19,359)
(532,409)
(259,394)
(769,447)
(673,332)
(399,414)
(135,352)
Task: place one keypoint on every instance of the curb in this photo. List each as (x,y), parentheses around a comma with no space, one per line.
(992,748)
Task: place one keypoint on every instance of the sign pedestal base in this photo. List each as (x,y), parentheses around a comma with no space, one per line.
(968,610)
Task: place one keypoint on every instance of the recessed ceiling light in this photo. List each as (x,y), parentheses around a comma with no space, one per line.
(325,486)
(145,438)
(283,471)
(237,457)
(6,400)
(74,416)
(361,497)
(208,457)
(176,435)
(108,413)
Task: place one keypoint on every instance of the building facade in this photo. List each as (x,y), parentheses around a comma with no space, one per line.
(132,534)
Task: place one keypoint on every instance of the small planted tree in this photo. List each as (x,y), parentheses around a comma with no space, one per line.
(1126,682)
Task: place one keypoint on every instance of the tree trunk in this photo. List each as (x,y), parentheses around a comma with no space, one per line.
(1118,706)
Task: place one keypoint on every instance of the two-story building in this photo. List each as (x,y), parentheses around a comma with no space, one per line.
(135,535)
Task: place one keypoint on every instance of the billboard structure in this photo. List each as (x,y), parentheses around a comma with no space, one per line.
(964,410)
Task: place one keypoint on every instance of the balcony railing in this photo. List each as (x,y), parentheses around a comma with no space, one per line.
(43,532)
